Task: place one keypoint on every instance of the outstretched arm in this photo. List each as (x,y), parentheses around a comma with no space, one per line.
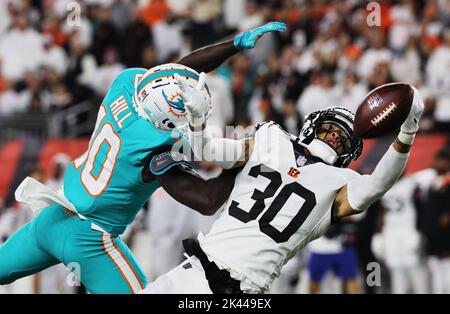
(360,193)
(204,196)
(223,152)
(176,176)
(209,58)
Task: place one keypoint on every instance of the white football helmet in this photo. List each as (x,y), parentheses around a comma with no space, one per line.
(157,96)
(344,119)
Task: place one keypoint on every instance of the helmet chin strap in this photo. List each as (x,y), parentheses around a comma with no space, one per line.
(322,150)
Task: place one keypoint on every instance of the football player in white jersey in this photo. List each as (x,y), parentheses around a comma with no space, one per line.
(399,242)
(289,191)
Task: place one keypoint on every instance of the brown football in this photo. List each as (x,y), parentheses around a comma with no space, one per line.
(383,110)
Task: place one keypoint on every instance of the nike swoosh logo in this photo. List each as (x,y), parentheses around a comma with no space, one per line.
(177,104)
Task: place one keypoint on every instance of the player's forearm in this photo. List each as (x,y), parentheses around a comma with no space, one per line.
(222,152)
(365,190)
(219,189)
(204,196)
(209,58)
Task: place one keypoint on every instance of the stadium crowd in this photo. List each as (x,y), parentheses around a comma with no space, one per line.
(52,59)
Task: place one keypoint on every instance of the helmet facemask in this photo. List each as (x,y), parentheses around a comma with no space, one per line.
(325,122)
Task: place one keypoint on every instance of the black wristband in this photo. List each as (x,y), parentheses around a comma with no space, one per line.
(197,129)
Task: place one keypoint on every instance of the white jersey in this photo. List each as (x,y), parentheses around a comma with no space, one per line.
(399,204)
(281,201)
(401,240)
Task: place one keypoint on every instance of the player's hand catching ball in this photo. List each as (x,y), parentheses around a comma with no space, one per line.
(196,99)
(411,124)
(388,108)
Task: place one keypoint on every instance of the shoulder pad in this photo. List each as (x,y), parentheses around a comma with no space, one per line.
(161,163)
(256,128)
(261,124)
(266,125)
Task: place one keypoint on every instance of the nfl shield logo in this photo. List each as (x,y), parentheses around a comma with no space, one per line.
(301,161)
(374,101)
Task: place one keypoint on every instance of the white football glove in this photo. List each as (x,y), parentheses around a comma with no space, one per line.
(411,124)
(196,100)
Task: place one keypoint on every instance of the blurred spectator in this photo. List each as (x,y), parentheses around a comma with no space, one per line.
(399,242)
(137,36)
(328,55)
(203,18)
(60,97)
(168,226)
(376,54)
(284,76)
(181,8)
(14,217)
(83,30)
(14,100)
(402,19)
(381,75)
(81,70)
(148,57)
(59,164)
(365,230)
(105,33)
(121,14)
(21,50)
(52,28)
(318,95)
(350,92)
(234,12)
(437,70)
(222,100)
(171,222)
(434,219)
(242,84)
(334,252)
(154,11)
(107,72)
(6,8)
(292,121)
(54,56)
(444,10)
(406,64)
(431,25)
(255,16)
(167,37)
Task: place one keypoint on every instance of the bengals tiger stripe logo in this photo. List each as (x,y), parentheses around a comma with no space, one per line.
(293,172)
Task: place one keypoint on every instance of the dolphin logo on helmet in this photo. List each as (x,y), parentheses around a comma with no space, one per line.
(155,96)
(177,104)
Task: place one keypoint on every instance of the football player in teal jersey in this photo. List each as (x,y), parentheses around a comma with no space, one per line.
(128,158)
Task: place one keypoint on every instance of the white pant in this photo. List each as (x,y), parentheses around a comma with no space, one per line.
(186,278)
(404,278)
(440,274)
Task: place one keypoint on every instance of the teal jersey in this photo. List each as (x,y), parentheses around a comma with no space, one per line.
(105,184)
